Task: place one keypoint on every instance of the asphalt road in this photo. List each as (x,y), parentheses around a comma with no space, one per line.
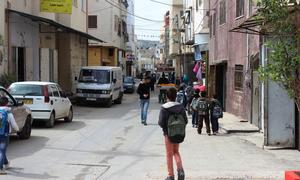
(111,144)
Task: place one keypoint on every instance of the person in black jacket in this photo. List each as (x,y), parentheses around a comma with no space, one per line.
(172,150)
(144,92)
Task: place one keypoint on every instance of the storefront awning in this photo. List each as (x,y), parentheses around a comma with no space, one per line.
(55,24)
(250,26)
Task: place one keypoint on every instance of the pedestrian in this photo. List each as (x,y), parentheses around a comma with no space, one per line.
(189,92)
(7,122)
(181,97)
(144,92)
(163,79)
(194,108)
(173,120)
(203,113)
(216,112)
(153,81)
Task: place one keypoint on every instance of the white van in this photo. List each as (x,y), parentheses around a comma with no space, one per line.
(100,84)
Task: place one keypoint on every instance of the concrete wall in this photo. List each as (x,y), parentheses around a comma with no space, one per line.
(175,34)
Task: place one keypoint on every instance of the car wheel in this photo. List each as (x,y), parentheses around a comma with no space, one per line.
(51,121)
(69,118)
(109,103)
(119,100)
(26,130)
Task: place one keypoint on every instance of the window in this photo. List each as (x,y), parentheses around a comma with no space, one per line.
(214,24)
(54,91)
(93,21)
(198,4)
(222,12)
(75,3)
(238,77)
(116,23)
(83,5)
(110,52)
(240,7)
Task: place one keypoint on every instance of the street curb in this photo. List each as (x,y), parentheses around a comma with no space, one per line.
(232,131)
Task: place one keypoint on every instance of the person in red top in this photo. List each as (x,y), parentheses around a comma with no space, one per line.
(199,86)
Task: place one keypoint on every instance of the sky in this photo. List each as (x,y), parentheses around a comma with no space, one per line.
(151,10)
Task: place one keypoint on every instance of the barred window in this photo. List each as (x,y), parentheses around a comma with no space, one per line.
(240,7)
(222,12)
(238,77)
(92,21)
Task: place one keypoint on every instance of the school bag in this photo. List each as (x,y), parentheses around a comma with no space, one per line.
(176,128)
(217,111)
(180,97)
(4,126)
(202,107)
(194,104)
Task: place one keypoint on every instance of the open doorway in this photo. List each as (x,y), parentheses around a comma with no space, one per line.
(19,63)
(221,84)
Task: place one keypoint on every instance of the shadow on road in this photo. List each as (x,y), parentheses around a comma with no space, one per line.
(61,125)
(17,172)
(22,148)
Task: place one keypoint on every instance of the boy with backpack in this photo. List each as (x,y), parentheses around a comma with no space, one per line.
(216,112)
(7,121)
(173,120)
(203,113)
(194,108)
(181,97)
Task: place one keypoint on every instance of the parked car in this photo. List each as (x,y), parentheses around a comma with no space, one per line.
(100,84)
(21,113)
(47,101)
(129,84)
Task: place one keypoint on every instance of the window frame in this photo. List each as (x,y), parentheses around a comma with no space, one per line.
(239,77)
(89,21)
(222,12)
(75,3)
(240,8)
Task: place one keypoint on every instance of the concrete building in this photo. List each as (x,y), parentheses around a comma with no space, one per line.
(196,33)
(3,47)
(46,46)
(236,52)
(108,21)
(165,41)
(131,45)
(175,51)
(148,55)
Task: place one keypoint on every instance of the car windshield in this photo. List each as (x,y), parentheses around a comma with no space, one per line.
(128,80)
(95,76)
(26,90)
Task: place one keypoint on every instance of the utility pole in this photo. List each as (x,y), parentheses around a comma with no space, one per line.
(179,45)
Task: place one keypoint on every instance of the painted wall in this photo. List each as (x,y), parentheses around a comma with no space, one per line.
(232,48)
(94,56)
(174,31)
(106,29)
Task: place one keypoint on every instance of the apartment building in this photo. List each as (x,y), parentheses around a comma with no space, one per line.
(107,20)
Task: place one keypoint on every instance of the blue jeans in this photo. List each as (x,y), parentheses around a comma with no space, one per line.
(3,147)
(144,109)
(195,118)
(214,124)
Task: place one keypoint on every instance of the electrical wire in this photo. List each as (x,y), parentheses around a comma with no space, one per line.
(166,4)
(132,14)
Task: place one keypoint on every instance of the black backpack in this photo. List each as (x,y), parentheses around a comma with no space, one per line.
(202,107)
(176,128)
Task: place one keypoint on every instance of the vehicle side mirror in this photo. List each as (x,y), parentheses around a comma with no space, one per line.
(114,81)
(20,103)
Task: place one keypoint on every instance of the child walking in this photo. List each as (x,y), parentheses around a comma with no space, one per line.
(170,112)
(194,108)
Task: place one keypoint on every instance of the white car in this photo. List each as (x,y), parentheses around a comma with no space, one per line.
(46,100)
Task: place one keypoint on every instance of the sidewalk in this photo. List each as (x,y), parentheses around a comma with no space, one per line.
(232,124)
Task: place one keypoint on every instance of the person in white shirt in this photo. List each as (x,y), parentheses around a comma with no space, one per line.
(4,163)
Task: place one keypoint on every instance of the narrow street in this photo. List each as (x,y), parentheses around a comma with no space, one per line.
(111,144)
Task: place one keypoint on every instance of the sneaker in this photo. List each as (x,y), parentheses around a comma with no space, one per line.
(215,133)
(145,123)
(181,174)
(3,172)
(170,178)
(209,134)
(7,166)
